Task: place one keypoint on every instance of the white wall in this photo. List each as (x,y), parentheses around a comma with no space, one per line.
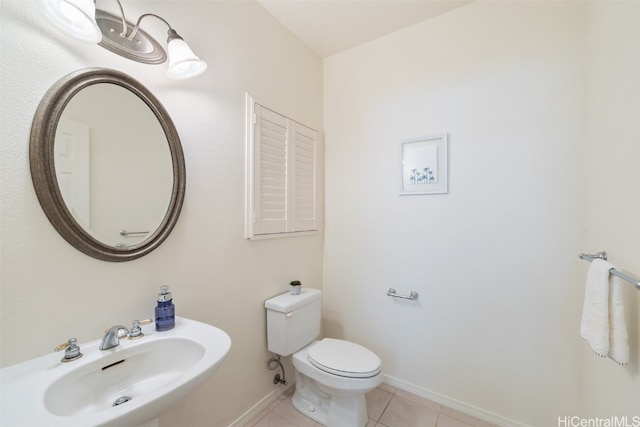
(612,179)
(51,292)
(496,328)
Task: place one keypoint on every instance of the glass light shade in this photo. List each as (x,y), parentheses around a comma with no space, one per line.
(183,63)
(74,17)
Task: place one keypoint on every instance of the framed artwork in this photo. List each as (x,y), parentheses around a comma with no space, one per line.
(423,168)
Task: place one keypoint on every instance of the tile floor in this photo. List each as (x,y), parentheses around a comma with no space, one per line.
(386,406)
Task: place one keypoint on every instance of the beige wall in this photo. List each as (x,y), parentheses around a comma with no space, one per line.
(496,328)
(51,292)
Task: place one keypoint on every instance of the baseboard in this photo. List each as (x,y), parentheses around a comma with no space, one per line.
(482,414)
(474,411)
(255,409)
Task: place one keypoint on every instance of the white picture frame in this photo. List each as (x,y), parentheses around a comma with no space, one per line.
(424,165)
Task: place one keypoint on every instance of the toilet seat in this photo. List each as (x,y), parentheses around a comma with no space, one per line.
(344,358)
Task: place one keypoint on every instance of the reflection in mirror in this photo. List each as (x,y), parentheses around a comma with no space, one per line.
(113,165)
(107,164)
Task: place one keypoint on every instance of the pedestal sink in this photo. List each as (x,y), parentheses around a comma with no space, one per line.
(142,377)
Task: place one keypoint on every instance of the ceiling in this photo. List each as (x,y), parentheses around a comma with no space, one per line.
(331,26)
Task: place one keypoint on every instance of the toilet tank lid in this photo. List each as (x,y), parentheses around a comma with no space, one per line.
(286,302)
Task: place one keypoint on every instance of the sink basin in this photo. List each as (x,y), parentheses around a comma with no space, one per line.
(145,376)
(135,372)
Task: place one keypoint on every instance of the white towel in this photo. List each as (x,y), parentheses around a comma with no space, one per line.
(603,325)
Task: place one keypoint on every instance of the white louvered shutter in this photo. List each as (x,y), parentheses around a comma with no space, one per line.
(282,172)
(303,189)
(271,172)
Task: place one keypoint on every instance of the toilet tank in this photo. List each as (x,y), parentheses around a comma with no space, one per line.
(293,321)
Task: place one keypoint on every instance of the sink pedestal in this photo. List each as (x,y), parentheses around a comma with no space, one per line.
(153,423)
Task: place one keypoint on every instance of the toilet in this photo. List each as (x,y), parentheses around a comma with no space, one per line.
(332,376)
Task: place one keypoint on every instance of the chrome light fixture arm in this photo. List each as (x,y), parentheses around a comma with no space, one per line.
(137,27)
(124,20)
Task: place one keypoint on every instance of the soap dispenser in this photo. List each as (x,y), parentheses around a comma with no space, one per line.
(165,311)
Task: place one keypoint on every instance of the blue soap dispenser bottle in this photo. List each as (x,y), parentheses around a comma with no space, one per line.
(165,310)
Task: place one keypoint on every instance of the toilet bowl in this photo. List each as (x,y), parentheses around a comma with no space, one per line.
(332,375)
(332,378)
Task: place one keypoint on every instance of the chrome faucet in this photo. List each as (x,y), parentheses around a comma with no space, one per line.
(112,337)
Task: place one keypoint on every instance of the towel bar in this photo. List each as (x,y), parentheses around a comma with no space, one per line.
(126,233)
(392,293)
(603,255)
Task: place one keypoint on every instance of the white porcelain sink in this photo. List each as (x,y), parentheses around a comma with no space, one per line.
(150,374)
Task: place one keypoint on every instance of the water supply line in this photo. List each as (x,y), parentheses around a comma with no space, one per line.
(273,364)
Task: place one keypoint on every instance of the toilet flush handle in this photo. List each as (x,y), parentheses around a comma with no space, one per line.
(289,314)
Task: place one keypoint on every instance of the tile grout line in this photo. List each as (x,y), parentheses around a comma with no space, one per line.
(438,417)
(393,395)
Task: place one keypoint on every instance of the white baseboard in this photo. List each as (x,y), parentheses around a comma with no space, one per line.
(482,414)
(474,411)
(255,409)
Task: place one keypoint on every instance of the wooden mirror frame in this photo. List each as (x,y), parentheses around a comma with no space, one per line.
(43,174)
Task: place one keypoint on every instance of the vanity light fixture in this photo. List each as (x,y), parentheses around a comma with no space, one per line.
(81,19)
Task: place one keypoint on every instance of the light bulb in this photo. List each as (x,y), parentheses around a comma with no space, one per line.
(183,63)
(74,17)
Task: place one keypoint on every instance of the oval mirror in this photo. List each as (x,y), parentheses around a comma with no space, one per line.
(107,164)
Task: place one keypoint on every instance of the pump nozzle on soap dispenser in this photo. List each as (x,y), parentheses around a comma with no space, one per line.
(165,311)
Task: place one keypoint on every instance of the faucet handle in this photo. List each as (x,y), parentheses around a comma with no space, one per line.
(136,331)
(72,350)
